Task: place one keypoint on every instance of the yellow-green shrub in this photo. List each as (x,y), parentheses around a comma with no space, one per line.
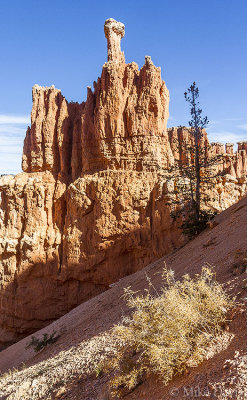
(169,330)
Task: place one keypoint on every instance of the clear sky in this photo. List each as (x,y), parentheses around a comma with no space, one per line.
(62,42)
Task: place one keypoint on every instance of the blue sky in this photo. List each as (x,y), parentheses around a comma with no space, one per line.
(62,43)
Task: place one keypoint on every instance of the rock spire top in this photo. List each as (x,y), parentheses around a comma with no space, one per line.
(114,32)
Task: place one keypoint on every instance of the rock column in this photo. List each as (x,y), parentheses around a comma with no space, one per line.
(114,32)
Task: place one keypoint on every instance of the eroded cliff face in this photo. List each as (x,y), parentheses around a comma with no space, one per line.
(92,204)
(122,125)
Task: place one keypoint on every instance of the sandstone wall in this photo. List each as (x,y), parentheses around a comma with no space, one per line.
(93,202)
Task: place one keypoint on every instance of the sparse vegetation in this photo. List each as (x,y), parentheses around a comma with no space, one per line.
(194,172)
(168,331)
(58,370)
(192,226)
(39,344)
(98,370)
(198,153)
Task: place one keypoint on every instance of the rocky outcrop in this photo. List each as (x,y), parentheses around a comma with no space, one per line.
(93,202)
(229,162)
(114,32)
(53,143)
(122,125)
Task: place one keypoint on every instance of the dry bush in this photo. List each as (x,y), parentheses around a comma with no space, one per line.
(168,331)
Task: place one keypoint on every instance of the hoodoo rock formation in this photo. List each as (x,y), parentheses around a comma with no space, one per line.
(91,205)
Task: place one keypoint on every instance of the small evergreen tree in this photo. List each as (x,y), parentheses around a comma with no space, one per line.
(194,173)
(197,123)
